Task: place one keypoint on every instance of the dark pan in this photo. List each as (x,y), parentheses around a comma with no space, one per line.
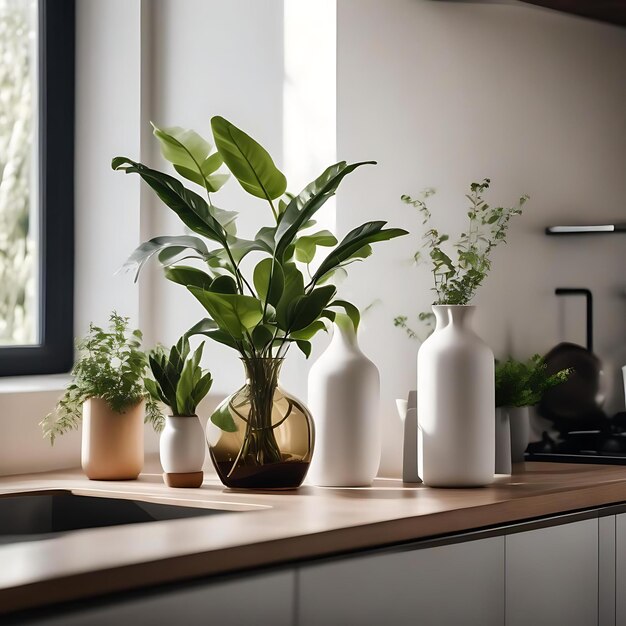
(580,399)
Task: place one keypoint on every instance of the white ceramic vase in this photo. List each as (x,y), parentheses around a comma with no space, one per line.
(456,403)
(503,441)
(519,421)
(344,399)
(182,450)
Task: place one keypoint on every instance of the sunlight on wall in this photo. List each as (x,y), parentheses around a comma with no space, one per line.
(309,95)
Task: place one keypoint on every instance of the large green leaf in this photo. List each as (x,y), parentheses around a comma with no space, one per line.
(149,248)
(300,210)
(269,280)
(185,275)
(248,161)
(293,288)
(226,218)
(306,309)
(202,387)
(190,154)
(233,313)
(189,206)
(351,311)
(224,284)
(310,331)
(209,328)
(223,419)
(262,335)
(306,246)
(353,244)
(184,389)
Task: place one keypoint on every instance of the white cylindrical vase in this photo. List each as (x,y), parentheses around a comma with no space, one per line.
(182,450)
(503,441)
(519,421)
(344,399)
(456,403)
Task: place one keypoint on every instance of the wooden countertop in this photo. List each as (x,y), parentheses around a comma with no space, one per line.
(272,527)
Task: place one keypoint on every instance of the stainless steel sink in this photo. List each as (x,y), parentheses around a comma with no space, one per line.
(36,516)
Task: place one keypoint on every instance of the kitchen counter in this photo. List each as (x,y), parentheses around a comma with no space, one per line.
(271,527)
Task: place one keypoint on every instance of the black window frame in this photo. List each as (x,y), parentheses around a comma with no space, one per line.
(55,351)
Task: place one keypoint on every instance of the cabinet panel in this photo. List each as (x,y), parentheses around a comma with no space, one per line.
(260,599)
(552,576)
(442,586)
(606,571)
(620,569)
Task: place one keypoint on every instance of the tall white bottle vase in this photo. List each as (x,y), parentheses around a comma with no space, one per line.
(344,399)
(456,403)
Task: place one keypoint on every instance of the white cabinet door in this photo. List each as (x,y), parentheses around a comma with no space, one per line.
(442,586)
(266,598)
(620,569)
(552,576)
(607,571)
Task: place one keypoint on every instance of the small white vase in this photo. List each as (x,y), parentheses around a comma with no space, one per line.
(456,403)
(503,440)
(344,399)
(182,450)
(519,420)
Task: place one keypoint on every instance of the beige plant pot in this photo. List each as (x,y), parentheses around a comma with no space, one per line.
(112,443)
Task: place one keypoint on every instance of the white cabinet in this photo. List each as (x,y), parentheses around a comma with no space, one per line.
(552,576)
(607,571)
(266,598)
(620,569)
(447,585)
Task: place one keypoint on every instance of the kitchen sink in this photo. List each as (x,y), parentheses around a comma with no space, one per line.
(32,517)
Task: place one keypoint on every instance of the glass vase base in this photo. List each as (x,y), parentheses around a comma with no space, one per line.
(271,476)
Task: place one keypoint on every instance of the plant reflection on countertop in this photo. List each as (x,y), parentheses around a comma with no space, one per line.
(267,435)
(107,391)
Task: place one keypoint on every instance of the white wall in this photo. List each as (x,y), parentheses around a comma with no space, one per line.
(440,93)
(445,93)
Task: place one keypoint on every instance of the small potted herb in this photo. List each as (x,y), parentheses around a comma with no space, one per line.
(520,385)
(107,392)
(180,383)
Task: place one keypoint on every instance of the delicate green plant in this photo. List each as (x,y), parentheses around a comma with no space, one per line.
(179,381)
(283,301)
(457,279)
(111,366)
(524,383)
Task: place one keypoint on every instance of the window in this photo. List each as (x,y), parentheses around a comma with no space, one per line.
(36,186)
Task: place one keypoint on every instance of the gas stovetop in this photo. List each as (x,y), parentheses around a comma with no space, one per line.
(604,444)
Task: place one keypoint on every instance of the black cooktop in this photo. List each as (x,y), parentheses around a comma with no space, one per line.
(602,441)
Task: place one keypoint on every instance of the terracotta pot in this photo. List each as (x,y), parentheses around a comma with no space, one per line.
(112,443)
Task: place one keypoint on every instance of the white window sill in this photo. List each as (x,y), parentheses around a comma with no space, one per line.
(34,384)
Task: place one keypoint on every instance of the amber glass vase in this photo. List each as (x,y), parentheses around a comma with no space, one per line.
(273,444)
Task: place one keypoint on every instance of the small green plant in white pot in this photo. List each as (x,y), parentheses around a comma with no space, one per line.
(455,382)
(107,394)
(180,383)
(519,386)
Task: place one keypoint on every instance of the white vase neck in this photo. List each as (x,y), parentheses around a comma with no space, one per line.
(344,334)
(459,316)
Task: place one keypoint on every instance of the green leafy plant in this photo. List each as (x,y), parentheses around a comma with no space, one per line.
(520,383)
(458,273)
(283,301)
(179,380)
(111,366)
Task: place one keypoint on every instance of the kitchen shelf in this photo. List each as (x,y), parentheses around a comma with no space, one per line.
(586,229)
